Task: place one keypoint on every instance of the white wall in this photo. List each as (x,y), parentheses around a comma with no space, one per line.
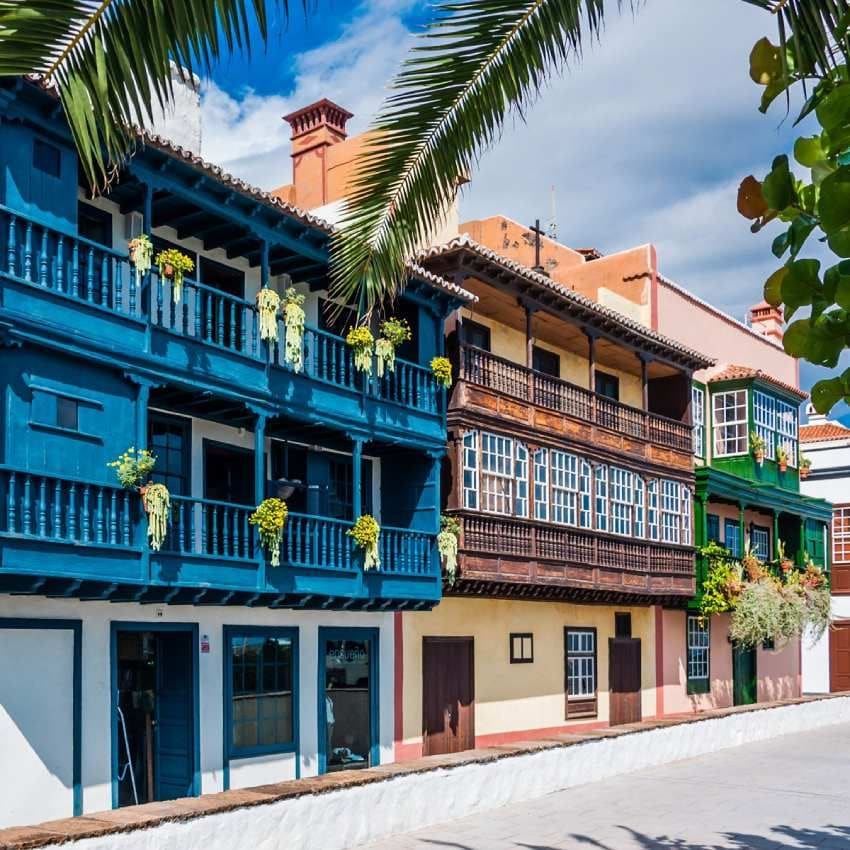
(45,707)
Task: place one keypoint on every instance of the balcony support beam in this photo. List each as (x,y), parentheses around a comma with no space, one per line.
(357,475)
(260,458)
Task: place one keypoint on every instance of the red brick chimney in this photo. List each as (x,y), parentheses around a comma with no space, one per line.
(314,129)
(767,320)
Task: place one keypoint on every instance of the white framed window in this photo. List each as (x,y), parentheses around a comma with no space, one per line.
(601,486)
(581,663)
(698,418)
(787,416)
(621,496)
(687,516)
(470,470)
(764,421)
(760,541)
(652,508)
(497,474)
(521,473)
(841,534)
(564,469)
(585,519)
(671,511)
(699,648)
(541,484)
(640,510)
(729,411)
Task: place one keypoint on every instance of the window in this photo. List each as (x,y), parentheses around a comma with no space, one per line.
(46,158)
(607,385)
(622,624)
(732,537)
(713,528)
(698,417)
(585,519)
(730,423)
(841,534)
(699,651)
(764,417)
(760,542)
(640,514)
(496,473)
(476,334)
(652,508)
(547,362)
(541,484)
(260,681)
(169,439)
(580,653)
(786,422)
(94,224)
(621,501)
(470,470)
(67,413)
(51,410)
(671,511)
(601,479)
(564,487)
(521,477)
(522,647)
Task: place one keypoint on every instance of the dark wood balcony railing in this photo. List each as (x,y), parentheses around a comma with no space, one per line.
(506,536)
(496,373)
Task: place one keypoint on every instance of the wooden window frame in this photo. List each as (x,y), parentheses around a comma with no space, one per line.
(694,685)
(471,324)
(543,354)
(584,706)
(521,637)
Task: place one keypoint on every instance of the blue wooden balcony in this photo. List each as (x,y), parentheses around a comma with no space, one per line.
(66,291)
(68,537)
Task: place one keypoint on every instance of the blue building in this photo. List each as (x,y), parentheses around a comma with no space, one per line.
(128,674)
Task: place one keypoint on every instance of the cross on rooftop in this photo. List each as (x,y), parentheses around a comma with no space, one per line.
(537,234)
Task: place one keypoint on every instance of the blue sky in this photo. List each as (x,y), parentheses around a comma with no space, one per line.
(644,140)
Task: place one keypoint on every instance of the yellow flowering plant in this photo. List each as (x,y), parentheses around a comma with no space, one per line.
(268,303)
(441,368)
(174,264)
(394,332)
(270,517)
(365,533)
(362,342)
(133,467)
(157,502)
(293,320)
(141,252)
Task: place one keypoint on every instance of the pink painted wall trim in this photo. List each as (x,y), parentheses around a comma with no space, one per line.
(659,661)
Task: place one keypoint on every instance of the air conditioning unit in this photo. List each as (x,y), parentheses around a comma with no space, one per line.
(133,225)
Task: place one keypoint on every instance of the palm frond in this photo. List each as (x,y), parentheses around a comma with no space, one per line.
(474,64)
(111,59)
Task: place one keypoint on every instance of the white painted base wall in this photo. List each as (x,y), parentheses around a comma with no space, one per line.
(816,656)
(35,700)
(343,819)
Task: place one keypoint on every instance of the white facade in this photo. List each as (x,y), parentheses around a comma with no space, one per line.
(829,479)
(36,699)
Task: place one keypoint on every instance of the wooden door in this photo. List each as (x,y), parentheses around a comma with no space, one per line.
(839,657)
(448,695)
(624,680)
(744,676)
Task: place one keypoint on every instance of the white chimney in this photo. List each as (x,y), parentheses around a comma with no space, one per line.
(180,122)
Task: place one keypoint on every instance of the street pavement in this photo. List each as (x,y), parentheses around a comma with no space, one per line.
(788,793)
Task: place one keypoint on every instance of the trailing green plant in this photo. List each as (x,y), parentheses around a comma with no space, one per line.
(141,253)
(447,545)
(268,303)
(157,502)
(270,518)
(393,333)
(441,369)
(723,582)
(133,467)
(362,343)
(758,614)
(293,321)
(174,265)
(365,533)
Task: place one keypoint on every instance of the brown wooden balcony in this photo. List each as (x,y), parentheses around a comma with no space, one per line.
(484,369)
(503,556)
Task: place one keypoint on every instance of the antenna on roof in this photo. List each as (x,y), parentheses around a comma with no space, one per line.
(553,224)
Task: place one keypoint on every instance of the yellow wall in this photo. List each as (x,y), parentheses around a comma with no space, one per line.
(516,697)
(510,343)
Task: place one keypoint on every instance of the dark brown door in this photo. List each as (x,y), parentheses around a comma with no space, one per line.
(839,657)
(448,695)
(624,679)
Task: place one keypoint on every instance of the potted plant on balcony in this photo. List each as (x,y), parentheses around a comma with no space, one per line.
(293,320)
(393,333)
(174,265)
(785,563)
(782,458)
(365,533)
(362,343)
(447,545)
(441,369)
(270,518)
(757,447)
(750,562)
(141,253)
(268,303)
(132,468)
(805,464)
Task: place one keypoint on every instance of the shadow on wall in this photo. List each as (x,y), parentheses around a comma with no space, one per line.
(719,697)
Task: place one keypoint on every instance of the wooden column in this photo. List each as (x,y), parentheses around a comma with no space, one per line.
(529,339)
(775,534)
(591,361)
(260,458)
(644,381)
(264,263)
(742,528)
(143,396)
(356,476)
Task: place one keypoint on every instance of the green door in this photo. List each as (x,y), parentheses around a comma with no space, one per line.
(744,677)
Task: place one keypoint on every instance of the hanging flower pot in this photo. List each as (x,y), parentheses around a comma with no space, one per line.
(293,320)
(365,533)
(173,266)
(757,447)
(270,517)
(804,465)
(441,369)
(782,459)
(141,252)
(394,332)
(268,303)
(157,503)
(362,343)
(447,546)
(132,467)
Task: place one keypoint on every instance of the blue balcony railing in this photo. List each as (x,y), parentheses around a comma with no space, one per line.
(75,268)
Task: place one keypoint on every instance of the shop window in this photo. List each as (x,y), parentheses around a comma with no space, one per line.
(260,678)
(546,362)
(699,654)
(580,664)
(46,158)
(522,647)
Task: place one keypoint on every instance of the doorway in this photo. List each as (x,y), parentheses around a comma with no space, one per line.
(744,676)
(839,657)
(348,699)
(155,729)
(228,473)
(448,695)
(624,678)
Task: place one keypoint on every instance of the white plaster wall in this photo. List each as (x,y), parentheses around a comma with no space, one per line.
(354,816)
(180,121)
(97,720)
(36,725)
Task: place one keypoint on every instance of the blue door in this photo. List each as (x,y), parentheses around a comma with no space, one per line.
(174,738)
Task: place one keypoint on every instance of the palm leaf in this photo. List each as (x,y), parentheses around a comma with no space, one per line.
(110,60)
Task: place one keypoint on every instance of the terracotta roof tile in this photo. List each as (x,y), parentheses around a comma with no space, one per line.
(737,373)
(823,432)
